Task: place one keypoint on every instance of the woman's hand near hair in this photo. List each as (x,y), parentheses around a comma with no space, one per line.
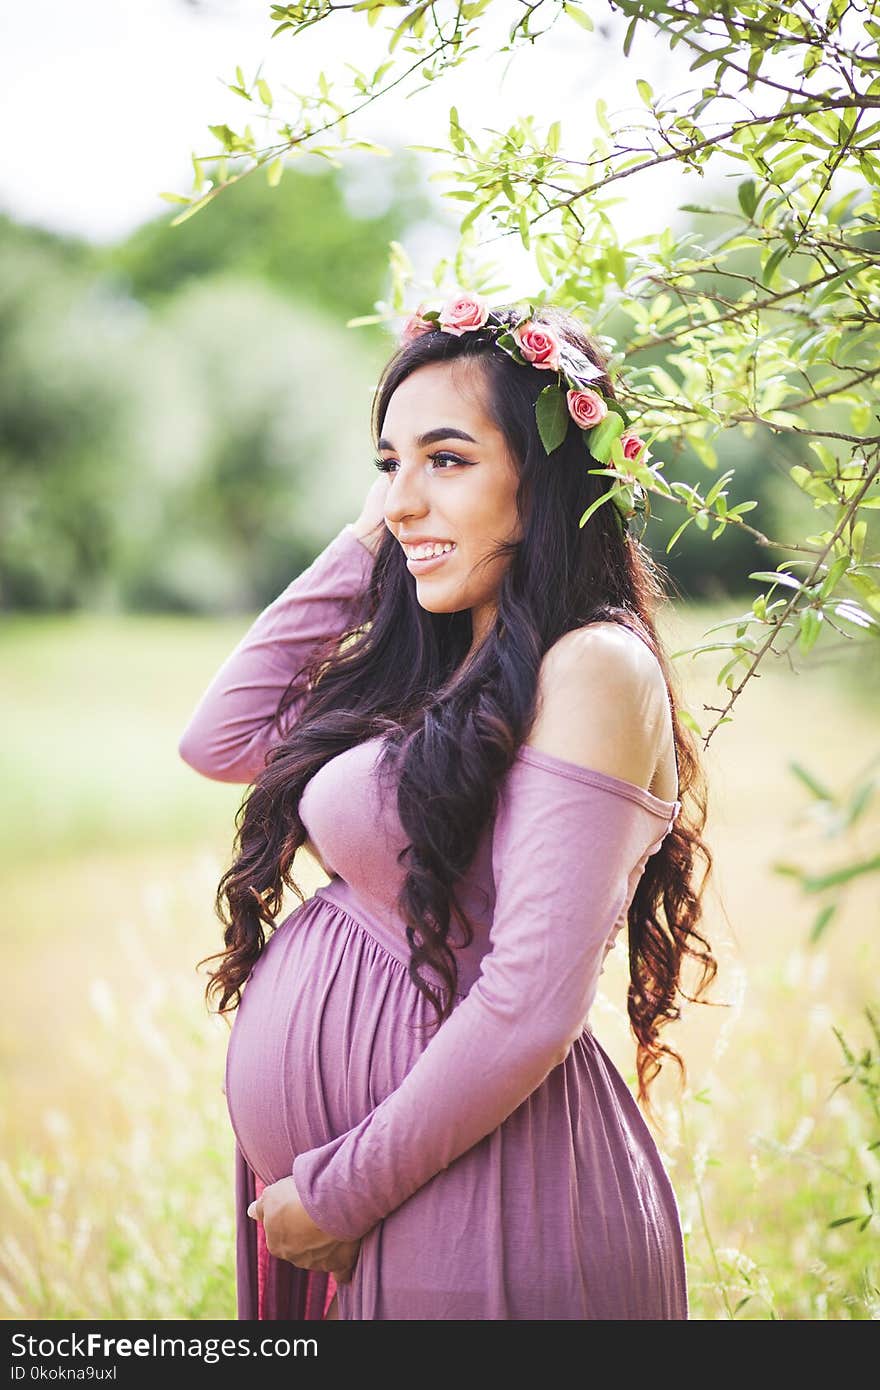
(370,525)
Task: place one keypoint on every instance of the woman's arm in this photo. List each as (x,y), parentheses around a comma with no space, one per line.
(566,847)
(232,727)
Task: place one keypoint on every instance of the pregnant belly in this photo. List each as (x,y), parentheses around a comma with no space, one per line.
(328,1025)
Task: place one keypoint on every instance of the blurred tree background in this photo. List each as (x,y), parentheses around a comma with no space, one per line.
(174,406)
(184,416)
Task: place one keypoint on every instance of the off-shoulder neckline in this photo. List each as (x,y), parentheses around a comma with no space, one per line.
(553,763)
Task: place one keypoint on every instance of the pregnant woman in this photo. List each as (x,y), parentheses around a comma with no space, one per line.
(463,711)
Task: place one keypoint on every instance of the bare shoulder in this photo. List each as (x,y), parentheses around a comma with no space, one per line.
(603,702)
(605,651)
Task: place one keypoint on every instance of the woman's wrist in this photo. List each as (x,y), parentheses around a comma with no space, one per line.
(370,536)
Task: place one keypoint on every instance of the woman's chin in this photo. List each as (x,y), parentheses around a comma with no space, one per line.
(438,598)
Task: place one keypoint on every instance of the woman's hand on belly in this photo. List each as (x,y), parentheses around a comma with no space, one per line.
(292,1235)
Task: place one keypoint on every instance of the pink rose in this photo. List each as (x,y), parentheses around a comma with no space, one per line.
(586,408)
(462,313)
(414,327)
(538,345)
(632,443)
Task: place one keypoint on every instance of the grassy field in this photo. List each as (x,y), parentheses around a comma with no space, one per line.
(116,1169)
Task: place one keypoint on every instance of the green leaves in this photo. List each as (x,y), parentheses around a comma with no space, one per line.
(455,131)
(810,627)
(594,507)
(579,16)
(551,413)
(223,133)
(601,437)
(748,198)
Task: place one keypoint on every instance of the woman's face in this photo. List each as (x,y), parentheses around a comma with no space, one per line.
(450,479)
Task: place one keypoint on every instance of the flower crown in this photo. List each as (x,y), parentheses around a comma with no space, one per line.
(601,421)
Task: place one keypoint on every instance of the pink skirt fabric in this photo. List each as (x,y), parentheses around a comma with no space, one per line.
(264,1260)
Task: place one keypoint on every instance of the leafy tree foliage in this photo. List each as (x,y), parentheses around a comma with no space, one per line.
(767,313)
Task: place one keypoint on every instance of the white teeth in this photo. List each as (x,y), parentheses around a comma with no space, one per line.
(423,552)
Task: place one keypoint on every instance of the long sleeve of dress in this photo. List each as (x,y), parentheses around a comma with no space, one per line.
(232,727)
(566,853)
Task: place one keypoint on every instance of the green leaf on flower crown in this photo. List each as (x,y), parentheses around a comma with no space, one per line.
(508,342)
(594,506)
(600,438)
(551,412)
(624,500)
(618,410)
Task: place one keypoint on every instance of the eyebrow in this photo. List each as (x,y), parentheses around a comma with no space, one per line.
(433,437)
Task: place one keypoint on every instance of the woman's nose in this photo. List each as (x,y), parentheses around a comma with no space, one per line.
(405,497)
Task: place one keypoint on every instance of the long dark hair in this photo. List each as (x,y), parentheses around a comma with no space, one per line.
(451,731)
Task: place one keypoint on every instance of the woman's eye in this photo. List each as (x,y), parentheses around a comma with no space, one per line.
(386,465)
(451,459)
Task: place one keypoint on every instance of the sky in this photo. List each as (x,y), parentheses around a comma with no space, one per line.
(103,102)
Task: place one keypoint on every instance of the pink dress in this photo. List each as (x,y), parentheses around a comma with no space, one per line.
(501,1169)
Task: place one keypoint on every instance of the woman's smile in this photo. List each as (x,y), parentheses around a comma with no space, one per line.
(422,564)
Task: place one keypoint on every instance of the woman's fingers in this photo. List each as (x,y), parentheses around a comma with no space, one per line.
(340,1260)
(345,1256)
